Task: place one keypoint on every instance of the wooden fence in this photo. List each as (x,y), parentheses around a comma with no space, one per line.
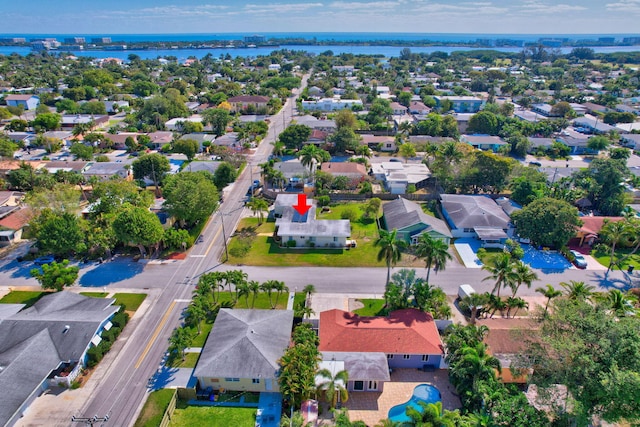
(168,413)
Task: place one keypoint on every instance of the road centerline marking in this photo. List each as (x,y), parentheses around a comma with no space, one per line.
(155,334)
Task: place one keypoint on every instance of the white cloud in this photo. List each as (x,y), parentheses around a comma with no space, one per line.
(627,6)
(278,8)
(365,6)
(540,7)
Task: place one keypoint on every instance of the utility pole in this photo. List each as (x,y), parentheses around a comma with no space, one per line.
(90,421)
(224,237)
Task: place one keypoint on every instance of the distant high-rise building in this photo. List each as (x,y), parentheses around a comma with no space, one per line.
(101,40)
(74,40)
(631,40)
(255,39)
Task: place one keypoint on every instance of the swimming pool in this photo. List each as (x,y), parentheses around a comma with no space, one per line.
(422,393)
(544,260)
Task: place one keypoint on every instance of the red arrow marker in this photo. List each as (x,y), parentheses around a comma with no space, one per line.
(302,206)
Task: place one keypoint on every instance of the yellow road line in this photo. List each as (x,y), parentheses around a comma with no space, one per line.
(155,334)
(212,241)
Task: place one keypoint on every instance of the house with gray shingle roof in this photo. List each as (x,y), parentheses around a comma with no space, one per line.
(478,217)
(411,222)
(46,344)
(242,350)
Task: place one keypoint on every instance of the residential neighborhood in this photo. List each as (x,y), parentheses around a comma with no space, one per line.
(320,239)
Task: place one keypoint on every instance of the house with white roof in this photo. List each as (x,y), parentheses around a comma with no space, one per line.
(396,176)
(296,230)
(330,104)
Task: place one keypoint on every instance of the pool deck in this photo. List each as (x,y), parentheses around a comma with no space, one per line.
(373,407)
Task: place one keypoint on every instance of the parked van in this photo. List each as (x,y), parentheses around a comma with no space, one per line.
(465,291)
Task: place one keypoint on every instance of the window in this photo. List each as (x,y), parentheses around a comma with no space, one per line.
(232,380)
(256,381)
(406,356)
(468,230)
(389,356)
(335,239)
(358,385)
(290,238)
(312,239)
(373,385)
(388,145)
(425,357)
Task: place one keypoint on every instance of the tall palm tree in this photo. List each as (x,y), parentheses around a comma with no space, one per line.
(578,290)
(309,155)
(269,287)
(475,302)
(334,386)
(390,249)
(474,367)
(614,233)
(522,275)
(279,287)
(549,293)
(517,303)
(435,253)
(234,278)
(496,304)
(254,288)
(363,151)
(244,290)
(258,207)
(502,271)
(196,313)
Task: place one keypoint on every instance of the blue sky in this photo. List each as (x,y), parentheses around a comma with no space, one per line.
(251,16)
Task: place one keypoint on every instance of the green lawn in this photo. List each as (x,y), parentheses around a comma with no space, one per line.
(261,302)
(199,339)
(372,307)
(131,302)
(188,416)
(603,258)
(95,294)
(153,410)
(22,297)
(190,361)
(262,250)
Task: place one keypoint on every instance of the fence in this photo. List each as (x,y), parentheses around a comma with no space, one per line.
(168,413)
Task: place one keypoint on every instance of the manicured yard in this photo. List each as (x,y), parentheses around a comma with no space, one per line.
(603,258)
(190,361)
(199,339)
(251,246)
(154,408)
(188,416)
(95,294)
(262,300)
(22,297)
(131,302)
(372,307)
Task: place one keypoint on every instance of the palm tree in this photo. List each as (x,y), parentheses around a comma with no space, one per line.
(309,290)
(578,290)
(334,386)
(549,293)
(244,290)
(522,275)
(474,367)
(475,302)
(363,151)
(180,340)
(309,155)
(502,271)
(614,233)
(279,287)
(278,148)
(517,303)
(621,304)
(390,249)
(258,207)
(434,251)
(268,287)
(496,303)
(254,288)
(432,414)
(196,313)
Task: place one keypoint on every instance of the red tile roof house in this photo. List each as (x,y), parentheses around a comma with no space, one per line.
(242,102)
(356,172)
(591,226)
(409,338)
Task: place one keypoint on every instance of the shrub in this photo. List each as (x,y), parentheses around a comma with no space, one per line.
(291,243)
(349,214)
(323,201)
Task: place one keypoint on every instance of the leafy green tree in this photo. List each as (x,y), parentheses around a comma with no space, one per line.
(108,197)
(188,147)
(595,354)
(17,125)
(59,233)
(7,148)
(372,208)
(563,109)
(390,249)
(547,222)
(473,375)
(190,196)
(47,121)
(601,180)
(515,410)
(153,166)
(407,151)
(179,341)
(218,118)
(298,366)
(176,239)
(81,151)
(484,122)
(295,135)
(345,139)
(225,175)
(598,143)
(56,275)
(138,226)
(346,118)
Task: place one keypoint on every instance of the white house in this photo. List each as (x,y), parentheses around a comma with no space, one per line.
(397,176)
(330,104)
(29,102)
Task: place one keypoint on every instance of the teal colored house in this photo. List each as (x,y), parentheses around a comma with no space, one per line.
(408,218)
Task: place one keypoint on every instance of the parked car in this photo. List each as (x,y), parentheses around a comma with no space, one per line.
(43,260)
(535,164)
(579,260)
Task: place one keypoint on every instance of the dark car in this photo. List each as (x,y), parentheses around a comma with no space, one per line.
(579,260)
(43,260)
